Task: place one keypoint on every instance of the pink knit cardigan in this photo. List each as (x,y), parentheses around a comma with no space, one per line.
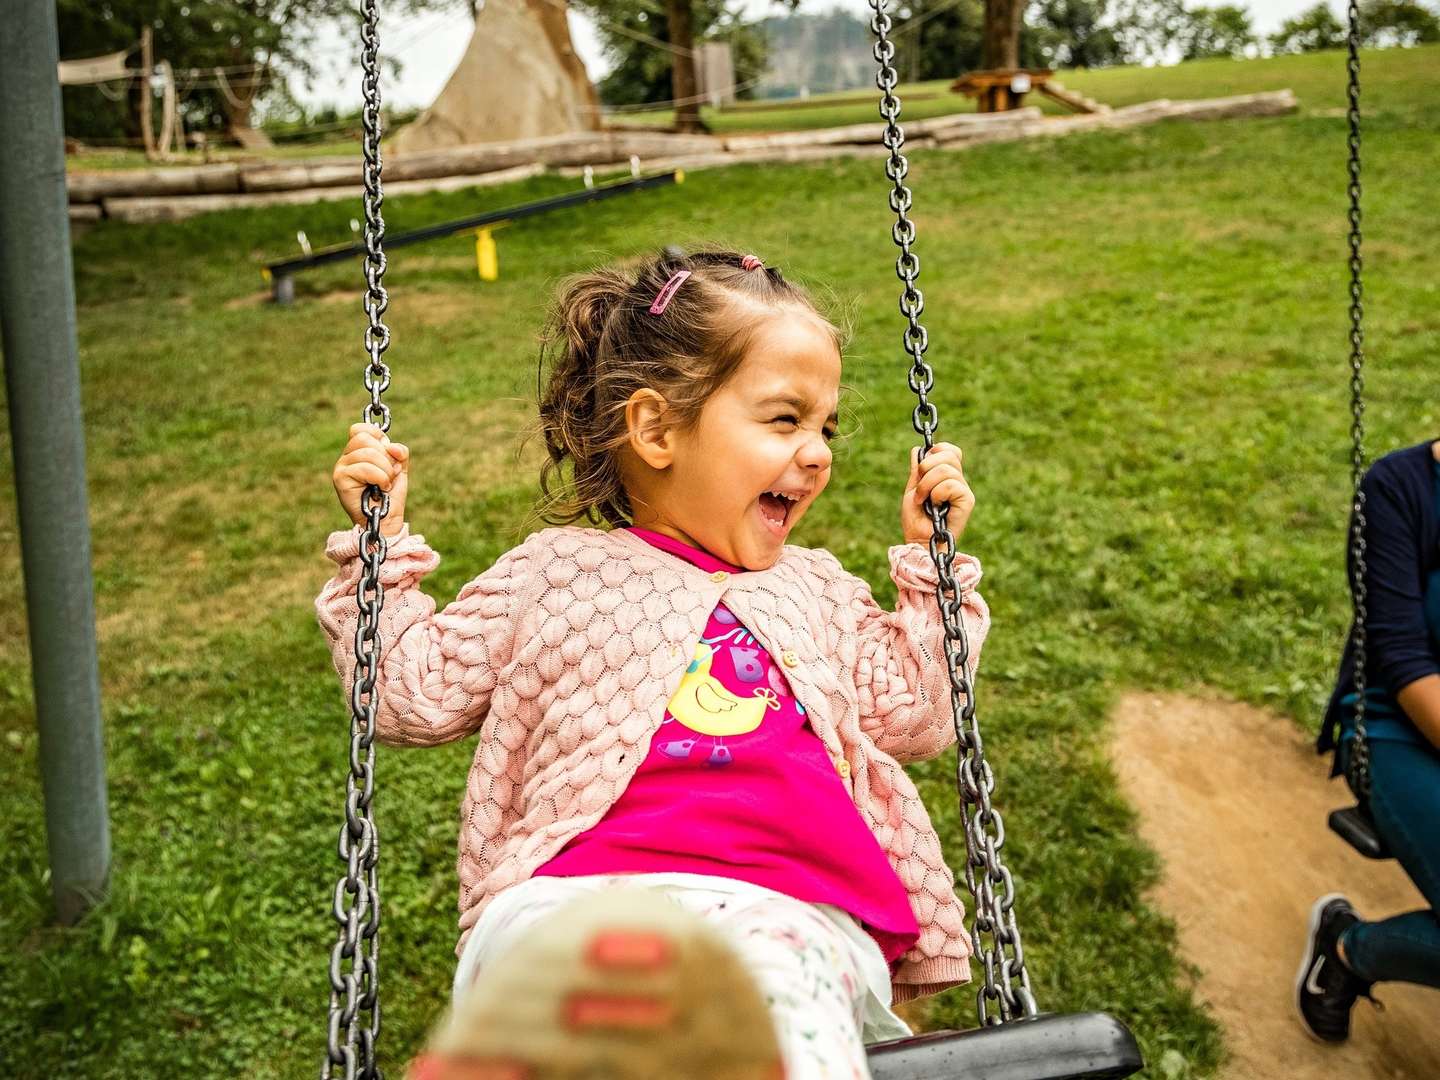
(562,657)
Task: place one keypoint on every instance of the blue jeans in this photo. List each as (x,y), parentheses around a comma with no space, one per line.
(1405,804)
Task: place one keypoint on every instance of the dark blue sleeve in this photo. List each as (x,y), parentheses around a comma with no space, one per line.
(1397,637)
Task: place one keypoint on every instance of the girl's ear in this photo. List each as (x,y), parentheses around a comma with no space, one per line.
(647,420)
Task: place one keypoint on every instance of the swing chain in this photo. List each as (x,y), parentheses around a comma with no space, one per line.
(1006,993)
(1359,763)
(354,1024)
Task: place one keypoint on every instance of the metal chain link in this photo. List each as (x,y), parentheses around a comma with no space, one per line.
(1359,764)
(996,934)
(354,1023)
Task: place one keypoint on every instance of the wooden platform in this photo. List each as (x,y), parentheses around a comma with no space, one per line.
(1004,89)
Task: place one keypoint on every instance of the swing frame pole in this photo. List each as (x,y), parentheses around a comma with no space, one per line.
(42,380)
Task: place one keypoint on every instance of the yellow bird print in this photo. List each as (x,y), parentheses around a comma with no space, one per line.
(705,706)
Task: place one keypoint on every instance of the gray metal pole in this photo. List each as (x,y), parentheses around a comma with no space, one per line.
(42,378)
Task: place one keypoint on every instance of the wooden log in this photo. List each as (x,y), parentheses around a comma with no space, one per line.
(1270,103)
(645,144)
(85,212)
(181,180)
(873,132)
(484,157)
(693,162)
(1071,99)
(980,129)
(586,148)
(1146,112)
(147,209)
(1007,132)
(300,175)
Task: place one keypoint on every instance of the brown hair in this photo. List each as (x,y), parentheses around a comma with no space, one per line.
(604,344)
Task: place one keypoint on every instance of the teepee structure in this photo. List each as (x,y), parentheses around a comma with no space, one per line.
(520,78)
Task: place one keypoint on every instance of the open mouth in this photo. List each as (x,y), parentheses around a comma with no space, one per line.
(775,508)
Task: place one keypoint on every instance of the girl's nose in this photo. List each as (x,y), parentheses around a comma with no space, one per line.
(815,454)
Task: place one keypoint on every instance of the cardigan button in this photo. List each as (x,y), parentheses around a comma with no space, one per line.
(790,659)
(718,576)
(843,768)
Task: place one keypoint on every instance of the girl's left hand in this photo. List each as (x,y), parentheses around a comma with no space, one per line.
(939,478)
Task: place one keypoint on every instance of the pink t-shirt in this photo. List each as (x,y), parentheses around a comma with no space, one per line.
(738,785)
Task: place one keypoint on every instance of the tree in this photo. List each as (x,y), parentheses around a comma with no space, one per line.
(1217,31)
(651,58)
(1074,33)
(1312,30)
(938,39)
(1097,33)
(256,45)
(1386,23)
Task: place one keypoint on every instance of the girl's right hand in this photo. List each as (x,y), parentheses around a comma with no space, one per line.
(371,458)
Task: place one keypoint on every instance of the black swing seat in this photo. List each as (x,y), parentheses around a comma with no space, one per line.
(1052,1046)
(1354,825)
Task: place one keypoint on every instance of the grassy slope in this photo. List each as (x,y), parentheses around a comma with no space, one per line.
(1153,404)
(1312,77)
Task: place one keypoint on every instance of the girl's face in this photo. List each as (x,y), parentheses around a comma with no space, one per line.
(739,480)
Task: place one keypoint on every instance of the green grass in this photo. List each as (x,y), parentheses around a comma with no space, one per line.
(1150,392)
(1313,77)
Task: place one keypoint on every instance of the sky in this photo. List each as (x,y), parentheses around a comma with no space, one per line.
(430,46)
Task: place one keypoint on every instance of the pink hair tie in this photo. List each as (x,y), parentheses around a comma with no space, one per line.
(662,299)
(751,262)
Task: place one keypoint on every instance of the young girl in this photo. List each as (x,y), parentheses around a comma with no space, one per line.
(681,700)
(1344,954)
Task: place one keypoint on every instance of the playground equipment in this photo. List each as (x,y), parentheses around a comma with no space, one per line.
(1004,89)
(1014,1040)
(1354,824)
(281,274)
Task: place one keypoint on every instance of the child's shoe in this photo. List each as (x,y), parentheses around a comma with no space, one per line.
(622,985)
(1325,989)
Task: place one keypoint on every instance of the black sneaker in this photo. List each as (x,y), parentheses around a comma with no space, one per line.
(1325,989)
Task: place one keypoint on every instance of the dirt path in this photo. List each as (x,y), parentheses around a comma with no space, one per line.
(1234,800)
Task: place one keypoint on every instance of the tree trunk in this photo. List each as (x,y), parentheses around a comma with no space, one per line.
(1000,43)
(683,84)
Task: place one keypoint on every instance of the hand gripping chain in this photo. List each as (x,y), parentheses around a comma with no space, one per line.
(1005,994)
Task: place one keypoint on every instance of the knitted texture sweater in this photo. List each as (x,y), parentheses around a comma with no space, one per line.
(563,655)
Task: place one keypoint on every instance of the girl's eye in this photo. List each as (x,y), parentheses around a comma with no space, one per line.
(829,433)
(787,419)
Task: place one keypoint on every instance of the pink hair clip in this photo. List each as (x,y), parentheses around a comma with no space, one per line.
(662,299)
(752,262)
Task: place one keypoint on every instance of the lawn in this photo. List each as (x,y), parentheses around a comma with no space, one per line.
(1150,391)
